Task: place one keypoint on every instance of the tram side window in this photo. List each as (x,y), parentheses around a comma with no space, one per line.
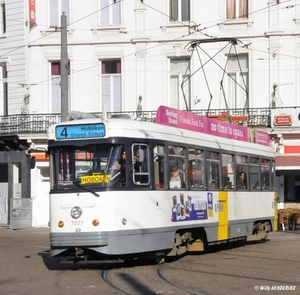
(159,166)
(117,167)
(213,169)
(265,174)
(177,167)
(242,172)
(195,168)
(228,171)
(272,187)
(254,164)
(140,154)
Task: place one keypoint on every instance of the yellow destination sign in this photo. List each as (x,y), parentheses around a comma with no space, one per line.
(96,178)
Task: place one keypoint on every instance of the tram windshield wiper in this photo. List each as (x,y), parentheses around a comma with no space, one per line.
(86,188)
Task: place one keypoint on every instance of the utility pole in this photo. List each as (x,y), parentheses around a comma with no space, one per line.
(64,69)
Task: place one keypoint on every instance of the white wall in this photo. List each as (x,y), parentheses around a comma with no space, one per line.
(40,195)
(145,65)
(13,52)
(145,41)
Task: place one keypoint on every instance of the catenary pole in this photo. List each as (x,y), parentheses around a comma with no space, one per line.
(64,69)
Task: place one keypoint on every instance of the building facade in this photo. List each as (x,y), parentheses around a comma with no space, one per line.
(234,57)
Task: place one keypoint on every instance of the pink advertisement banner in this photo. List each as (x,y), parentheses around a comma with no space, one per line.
(185,120)
(262,137)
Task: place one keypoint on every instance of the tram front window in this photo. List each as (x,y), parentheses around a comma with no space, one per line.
(90,166)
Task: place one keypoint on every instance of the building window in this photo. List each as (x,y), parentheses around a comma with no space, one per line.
(179,10)
(3,89)
(111,85)
(237,9)
(179,73)
(2,19)
(109,12)
(237,68)
(55,104)
(56,8)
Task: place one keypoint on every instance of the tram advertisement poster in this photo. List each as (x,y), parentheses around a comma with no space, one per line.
(189,121)
(181,119)
(192,207)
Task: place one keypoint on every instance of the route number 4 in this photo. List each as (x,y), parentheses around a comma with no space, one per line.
(64,133)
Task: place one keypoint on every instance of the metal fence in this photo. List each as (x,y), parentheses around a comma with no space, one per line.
(39,123)
(21,213)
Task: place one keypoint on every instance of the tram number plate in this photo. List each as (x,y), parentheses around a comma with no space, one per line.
(77,222)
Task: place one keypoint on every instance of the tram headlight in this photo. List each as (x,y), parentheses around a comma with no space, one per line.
(76,212)
(95,222)
(60,224)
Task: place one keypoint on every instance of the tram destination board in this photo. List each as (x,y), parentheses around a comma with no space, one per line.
(79,131)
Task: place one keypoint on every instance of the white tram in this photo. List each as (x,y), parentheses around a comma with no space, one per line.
(124,189)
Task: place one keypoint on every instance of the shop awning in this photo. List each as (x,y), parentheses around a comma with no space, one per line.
(287,162)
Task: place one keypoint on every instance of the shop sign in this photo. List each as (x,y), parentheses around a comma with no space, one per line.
(283,120)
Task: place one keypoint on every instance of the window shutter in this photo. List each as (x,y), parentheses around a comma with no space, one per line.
(53,7)
(230,9)
(174,95)
(65,9)
(116,19)
(105,87)
(117,102)
(56,8)
(243,7)
(55,95)
(104,12)
(173,10)
(185,10)
(69,95)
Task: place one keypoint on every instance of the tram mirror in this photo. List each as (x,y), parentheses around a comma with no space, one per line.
(32,162)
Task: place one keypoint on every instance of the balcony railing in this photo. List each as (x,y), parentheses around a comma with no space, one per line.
(39,123)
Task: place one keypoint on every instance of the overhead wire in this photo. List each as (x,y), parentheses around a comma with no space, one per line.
(55,30)
(250,13)
(44,36)
(125,56)
(137,52)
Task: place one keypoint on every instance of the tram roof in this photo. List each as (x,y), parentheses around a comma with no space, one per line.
(128,128)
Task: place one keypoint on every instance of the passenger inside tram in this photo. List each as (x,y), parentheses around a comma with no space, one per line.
(176,179)
(242,181)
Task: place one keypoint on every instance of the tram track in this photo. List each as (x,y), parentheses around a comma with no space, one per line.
(233,269)
(104,276)
(250,266)
(147,279)
(240,272)
(224,270)
(159,273)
